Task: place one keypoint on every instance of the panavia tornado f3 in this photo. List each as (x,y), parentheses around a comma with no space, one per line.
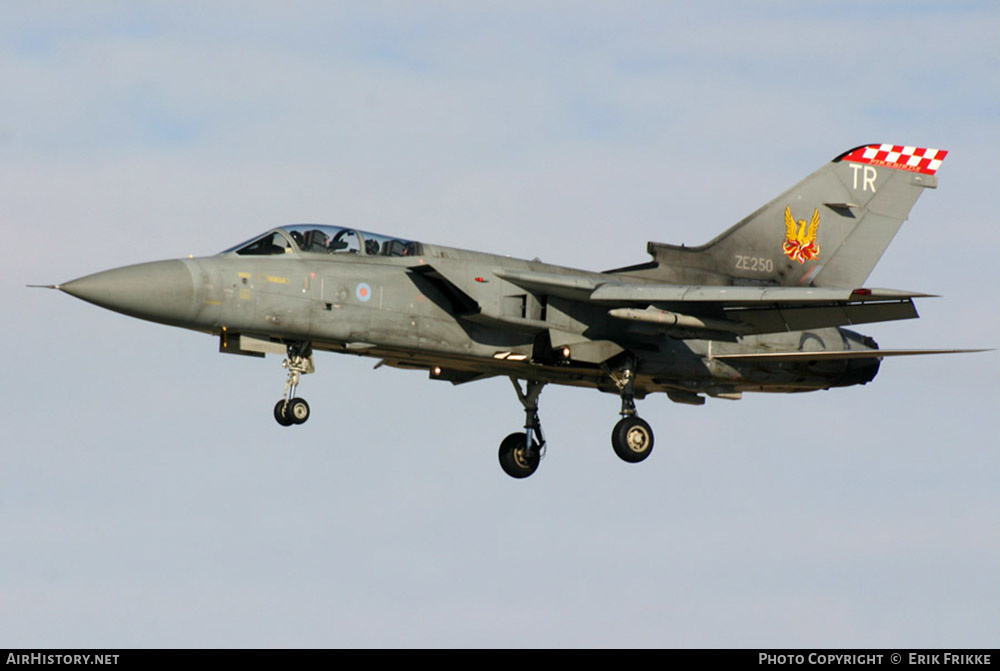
(762,307)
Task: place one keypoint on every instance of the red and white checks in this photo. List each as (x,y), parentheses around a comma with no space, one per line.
(914,159)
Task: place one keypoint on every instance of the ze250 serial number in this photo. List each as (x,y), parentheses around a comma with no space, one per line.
(757,264)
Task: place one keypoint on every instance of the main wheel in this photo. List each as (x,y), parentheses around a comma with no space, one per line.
(516,461)
(632,439)
(279,414)
(297,411)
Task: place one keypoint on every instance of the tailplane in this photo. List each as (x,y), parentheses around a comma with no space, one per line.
(829,230)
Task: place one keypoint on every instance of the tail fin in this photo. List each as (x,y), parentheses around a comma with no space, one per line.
(829,230)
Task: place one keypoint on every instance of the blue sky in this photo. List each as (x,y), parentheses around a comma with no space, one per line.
(147,498)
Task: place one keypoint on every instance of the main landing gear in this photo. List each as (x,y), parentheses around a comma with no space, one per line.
(291,409)
(521,452)
(632,437)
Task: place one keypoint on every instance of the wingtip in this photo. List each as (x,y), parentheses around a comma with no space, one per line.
(882,294)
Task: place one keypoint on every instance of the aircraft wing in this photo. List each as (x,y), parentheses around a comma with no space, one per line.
(731,295)
(740,310)
(831,355)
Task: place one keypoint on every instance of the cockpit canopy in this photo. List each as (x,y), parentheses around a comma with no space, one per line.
(317,239)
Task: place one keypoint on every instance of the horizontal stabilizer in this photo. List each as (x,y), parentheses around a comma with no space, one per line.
(847,354)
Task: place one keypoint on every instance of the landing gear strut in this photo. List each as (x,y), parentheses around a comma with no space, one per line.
(292,410)
(521,452)
(632,437)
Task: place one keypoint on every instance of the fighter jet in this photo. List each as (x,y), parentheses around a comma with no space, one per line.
(761,308)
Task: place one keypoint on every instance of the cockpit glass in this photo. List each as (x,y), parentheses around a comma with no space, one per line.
(318,239)
(337,240)
(272,243)
(325,239)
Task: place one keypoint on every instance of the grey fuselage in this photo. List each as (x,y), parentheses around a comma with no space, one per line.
(453,313)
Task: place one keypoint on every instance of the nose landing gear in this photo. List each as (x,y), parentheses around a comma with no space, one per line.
(291,409)
(288,412)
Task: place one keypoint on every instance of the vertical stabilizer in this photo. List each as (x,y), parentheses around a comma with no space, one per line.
(829,230)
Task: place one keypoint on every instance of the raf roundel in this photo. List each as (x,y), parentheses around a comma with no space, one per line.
(363,292)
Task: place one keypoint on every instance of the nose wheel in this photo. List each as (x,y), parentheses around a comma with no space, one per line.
(292,409)
(295,411)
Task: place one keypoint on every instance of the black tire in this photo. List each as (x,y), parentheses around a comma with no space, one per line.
(297,411)
(632,439)
(279,414)
(513,459)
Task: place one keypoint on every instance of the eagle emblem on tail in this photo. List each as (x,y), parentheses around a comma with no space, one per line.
(800,240)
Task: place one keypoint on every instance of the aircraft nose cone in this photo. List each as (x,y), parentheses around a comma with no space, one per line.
(162,291)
